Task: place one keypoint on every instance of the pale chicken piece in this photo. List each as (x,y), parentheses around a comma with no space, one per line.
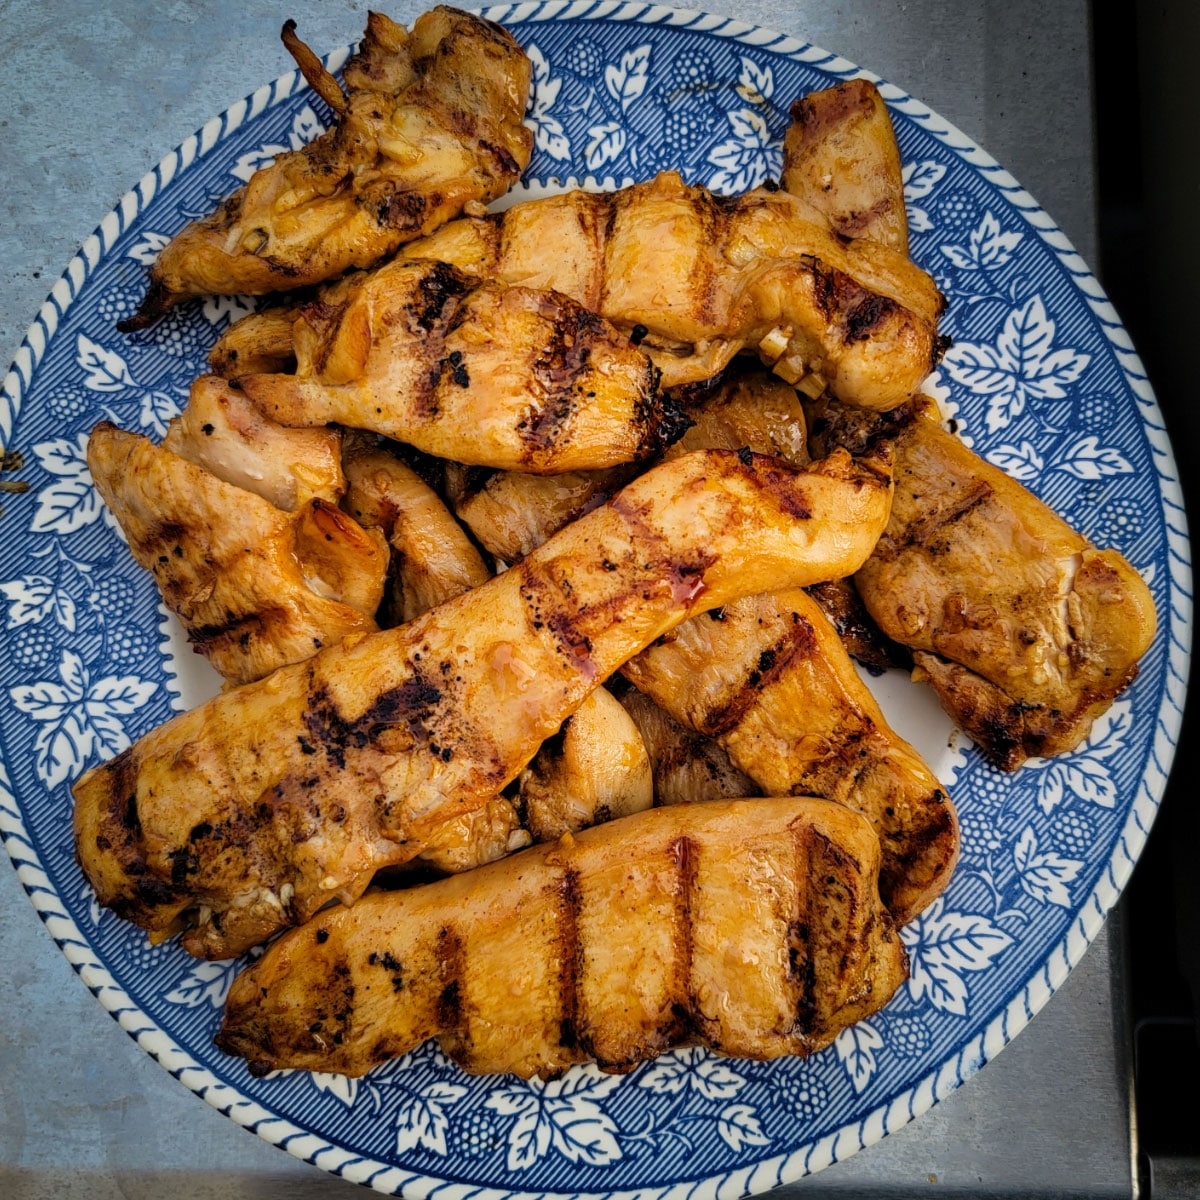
(840,155)
(708,276)
(433,560)
(255,587)
(476,838)
(480,373)
(255,809)
(768,679)
(512,512)
(752,927)
(221,431)
(1026,630)
(261,343)
(686,765)
(594,769)
(430,125)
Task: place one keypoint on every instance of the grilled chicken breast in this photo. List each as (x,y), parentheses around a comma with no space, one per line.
(686,765)
(708,276)
(261,344)
(513,512)
(221,431)
(840,155)
(484,374)
(253,810)
(432,559)
(430,125)
(1025,629)
(255,587)
(752,927)
(767,677)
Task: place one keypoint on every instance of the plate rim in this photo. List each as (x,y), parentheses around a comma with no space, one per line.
(1090,911)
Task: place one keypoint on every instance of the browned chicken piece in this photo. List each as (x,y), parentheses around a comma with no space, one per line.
(686,765)
(476,838)
(843,608)
(221,431)
(760,272)
(261,343)
(1025,629)
(767,677)
(255,587)
(594,769)
(840,155)
(430,125)
(484,374)
(512,512)
(255,809)
(432,560)
(752,927)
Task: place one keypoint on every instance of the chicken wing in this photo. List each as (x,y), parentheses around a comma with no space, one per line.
(1025,629)
(484,374)
(430,125)
(707,276)
(753,927)
(255,587)
(769,680)
(253,810)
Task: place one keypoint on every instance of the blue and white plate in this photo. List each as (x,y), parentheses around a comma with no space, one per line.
(1042,381)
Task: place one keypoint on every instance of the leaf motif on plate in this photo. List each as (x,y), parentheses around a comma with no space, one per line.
(422,1122)
(1043,874)
(548,131)
(739,1126)
(104,370)
(857,1047)
(71,502)
(626,79)
(1087,459)
(206,983)
(944,945)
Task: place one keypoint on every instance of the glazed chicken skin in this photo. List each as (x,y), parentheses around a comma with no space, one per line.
(480,373)
(253,810)
(430,125)
(752,927)
(768,679)
(840,155)
(1026,631)
(708,276)
(255,587)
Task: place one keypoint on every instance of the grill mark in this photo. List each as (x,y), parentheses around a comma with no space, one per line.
(452,963)
(798,642)
(802,968)
(686,1009)
(572,1021)
(925,529)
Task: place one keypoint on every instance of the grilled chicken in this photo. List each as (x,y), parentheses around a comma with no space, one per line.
(484,374)
(1025,629)
(686,765)
(512,512)
(767,677)
(707,276)
(430,125)
(840,155)
(593,770)
(432,560)
(255,587)
(253,810)
(261,343)
(752,927)
(221,431)
(864,640)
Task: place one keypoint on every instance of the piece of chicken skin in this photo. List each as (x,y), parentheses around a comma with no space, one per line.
(255,587)
(253,810)
(768,678)
(707,276)
(432,560)
(686,765)
(512,512)
(840,155)
(1026,630)
(430,125)
(483,374)
(221,431)
(752,927)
